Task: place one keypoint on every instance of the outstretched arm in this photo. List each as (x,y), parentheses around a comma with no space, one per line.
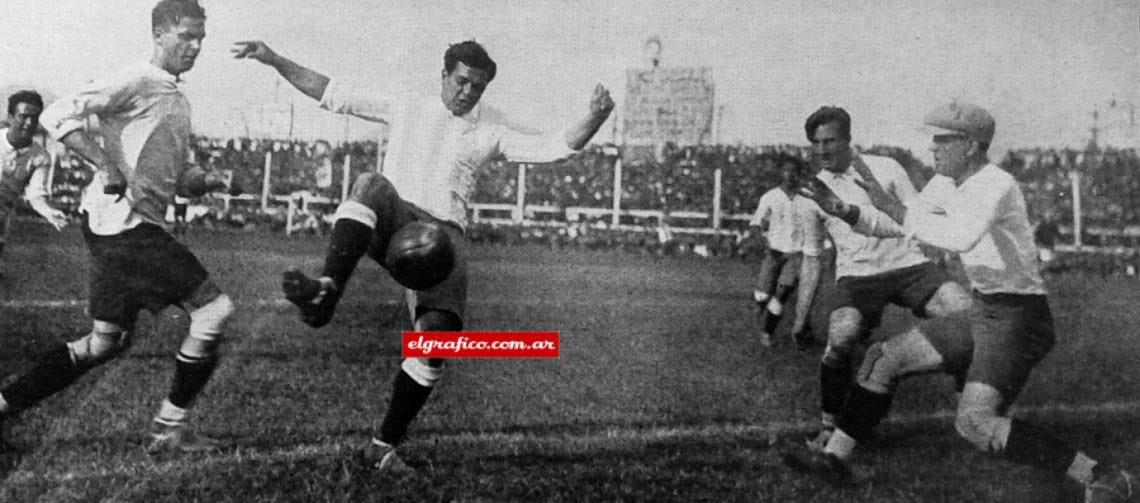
(309,82)
(814,234)
(600,107)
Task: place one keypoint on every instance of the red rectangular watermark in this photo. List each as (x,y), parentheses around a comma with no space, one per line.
(480,345)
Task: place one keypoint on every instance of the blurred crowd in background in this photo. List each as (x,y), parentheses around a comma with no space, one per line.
(311,175)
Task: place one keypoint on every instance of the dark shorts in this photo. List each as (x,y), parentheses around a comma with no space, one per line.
(778,268)
(180,212)
(449,295)
(910,287)
(1009,335)
(142,268)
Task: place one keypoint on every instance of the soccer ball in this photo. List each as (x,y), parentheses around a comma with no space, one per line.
(420,255)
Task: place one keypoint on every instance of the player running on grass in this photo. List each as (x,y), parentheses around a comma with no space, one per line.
(435,144)
(135,264)
(977,210)
(780,218)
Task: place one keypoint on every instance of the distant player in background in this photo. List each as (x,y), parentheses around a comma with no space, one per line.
(24,165)
(780,217)
(1045,236)
(871,272)
(977,210)
(135,263)
(181,204)
(436,142)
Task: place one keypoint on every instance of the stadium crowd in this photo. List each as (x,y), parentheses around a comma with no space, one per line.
(680,179)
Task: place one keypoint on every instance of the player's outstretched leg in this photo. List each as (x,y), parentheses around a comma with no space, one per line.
(372,211)
(194,364)
(59,367)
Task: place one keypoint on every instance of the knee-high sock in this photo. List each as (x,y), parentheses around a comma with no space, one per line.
(834,384)
(863,411)
(53,371)
(408,397)
(349,241)
(191,373)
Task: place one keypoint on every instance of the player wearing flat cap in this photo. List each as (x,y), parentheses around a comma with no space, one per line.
(977,210)
(419,205)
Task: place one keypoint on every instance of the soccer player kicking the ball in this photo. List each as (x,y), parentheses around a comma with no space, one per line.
(135,263)
(435,144)
(24,165)
(977,210)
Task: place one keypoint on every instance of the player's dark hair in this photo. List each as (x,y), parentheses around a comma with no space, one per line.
(470,53)
(828,115)
(171,12)
(799,165)
(25,96)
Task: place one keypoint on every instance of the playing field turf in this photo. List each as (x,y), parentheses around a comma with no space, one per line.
(661,391)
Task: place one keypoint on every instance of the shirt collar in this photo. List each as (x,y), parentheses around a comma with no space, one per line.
(850,171)
(155,72)
(471,117)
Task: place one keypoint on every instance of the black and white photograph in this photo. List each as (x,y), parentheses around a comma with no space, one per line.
(570,250)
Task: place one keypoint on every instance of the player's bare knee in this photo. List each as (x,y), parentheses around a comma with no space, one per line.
(422,372)
(880,369)
(99,346)
(434,320)
(371,190)
(207,322)
(951,298)
(843,332)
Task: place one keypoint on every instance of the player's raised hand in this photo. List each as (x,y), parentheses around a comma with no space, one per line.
(879,194)
(255,50)
(828,201)
(601,104)
(881,198)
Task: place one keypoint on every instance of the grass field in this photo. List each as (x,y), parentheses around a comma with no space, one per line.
(660,394)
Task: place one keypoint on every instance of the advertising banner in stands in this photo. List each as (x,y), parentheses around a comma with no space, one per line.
(666,105)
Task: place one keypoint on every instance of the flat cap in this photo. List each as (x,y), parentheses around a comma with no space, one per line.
(965,119)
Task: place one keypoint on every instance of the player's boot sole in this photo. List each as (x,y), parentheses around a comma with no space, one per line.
(317,305)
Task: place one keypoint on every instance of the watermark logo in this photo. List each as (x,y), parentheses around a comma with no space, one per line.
(480,345)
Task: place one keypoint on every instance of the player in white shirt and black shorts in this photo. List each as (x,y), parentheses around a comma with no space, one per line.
(780,217)
(435,145)
(977,210)
(143,160)
(871,272)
